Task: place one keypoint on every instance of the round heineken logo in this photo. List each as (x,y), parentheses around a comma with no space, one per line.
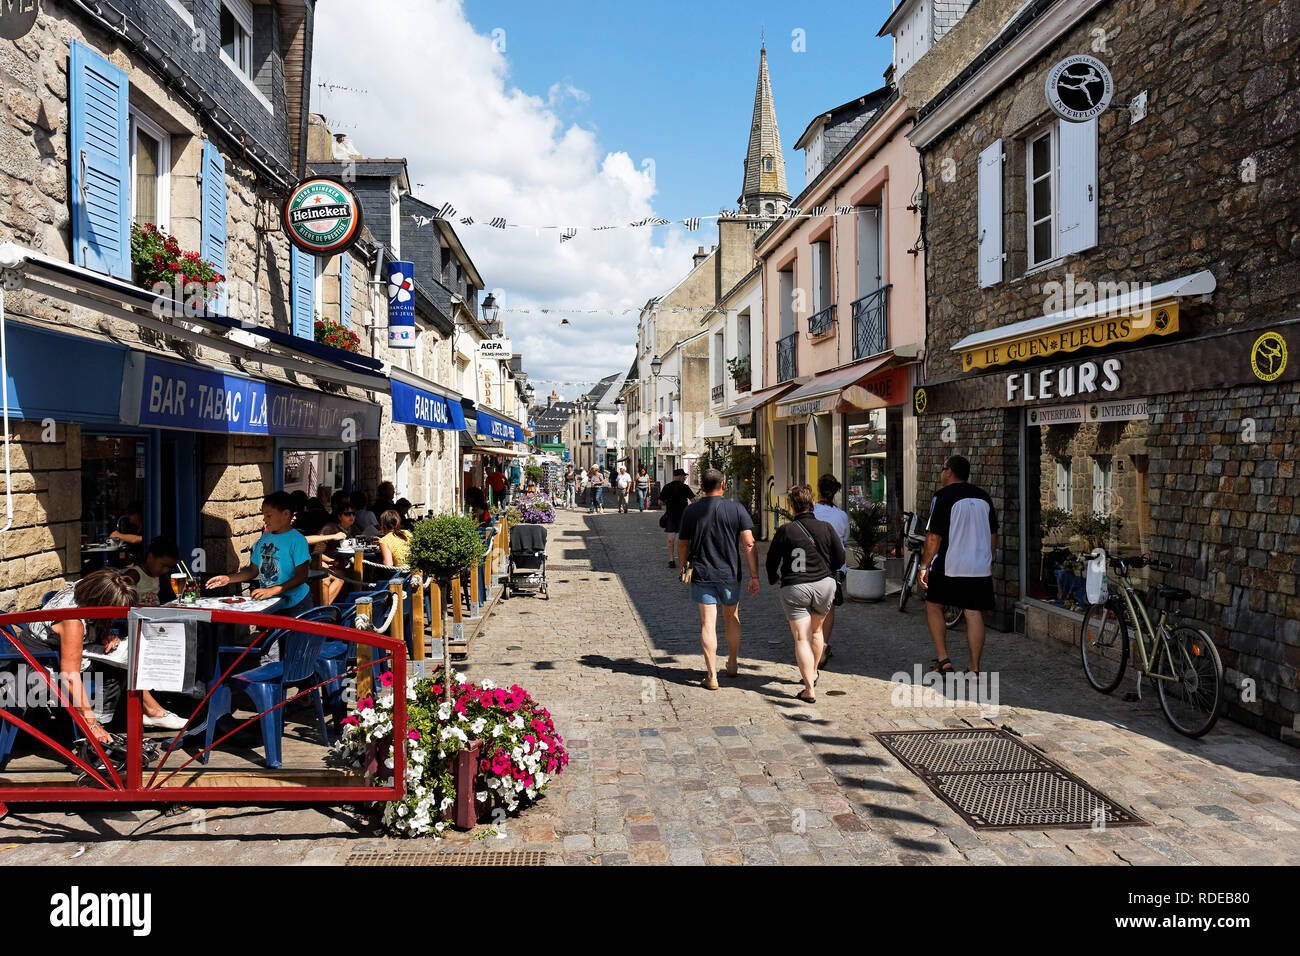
(1079,88)
(321,216)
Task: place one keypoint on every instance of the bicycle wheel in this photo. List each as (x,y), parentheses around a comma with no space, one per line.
(1103,646)
(1193,701)
(909,580)
(952,616)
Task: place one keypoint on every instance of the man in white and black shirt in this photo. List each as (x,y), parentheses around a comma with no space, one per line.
(957,566)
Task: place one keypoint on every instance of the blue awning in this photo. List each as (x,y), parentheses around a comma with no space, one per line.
(499,428)
(419,406)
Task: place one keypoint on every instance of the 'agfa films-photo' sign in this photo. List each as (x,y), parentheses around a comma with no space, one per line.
(401,305)
(321,216)
(495,349)
(1079,88)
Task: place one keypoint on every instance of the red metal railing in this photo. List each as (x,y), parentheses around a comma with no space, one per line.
(109,787)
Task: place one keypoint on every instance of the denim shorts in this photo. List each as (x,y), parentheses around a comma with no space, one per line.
(728,594)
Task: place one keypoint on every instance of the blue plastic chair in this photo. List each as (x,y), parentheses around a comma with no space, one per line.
(265,687)
(8,732)
(334,656)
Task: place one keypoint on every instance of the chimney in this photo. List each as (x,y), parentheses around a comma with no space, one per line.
(700,256)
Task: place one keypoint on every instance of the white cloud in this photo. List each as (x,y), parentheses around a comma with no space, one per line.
(439,94)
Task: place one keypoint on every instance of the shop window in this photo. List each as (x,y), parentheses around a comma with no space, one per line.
(866,452)
(112,497)
(150,172)
(1110,510)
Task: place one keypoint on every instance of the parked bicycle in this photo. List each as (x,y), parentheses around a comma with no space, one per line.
(1180,658)
(952,615)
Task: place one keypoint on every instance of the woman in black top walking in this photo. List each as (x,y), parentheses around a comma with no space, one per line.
(804,556)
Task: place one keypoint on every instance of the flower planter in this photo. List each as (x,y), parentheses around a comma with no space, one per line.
(865,585)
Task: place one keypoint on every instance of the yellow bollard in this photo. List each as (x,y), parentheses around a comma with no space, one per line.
(358,569)
(397,630)
(365,655)
(417,619)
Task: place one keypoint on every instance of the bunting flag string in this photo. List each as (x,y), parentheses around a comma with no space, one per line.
(447,211)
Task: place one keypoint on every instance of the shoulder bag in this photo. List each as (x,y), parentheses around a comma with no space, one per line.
(839,579)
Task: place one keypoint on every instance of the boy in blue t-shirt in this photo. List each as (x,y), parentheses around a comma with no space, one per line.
(280,560)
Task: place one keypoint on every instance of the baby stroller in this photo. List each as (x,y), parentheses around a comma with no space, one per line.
(526,565)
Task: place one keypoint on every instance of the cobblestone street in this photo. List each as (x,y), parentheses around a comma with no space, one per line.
(664,771)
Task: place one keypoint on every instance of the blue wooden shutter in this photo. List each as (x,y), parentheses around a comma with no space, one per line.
(212,246)
(101,164)
(303,267)
(345,290)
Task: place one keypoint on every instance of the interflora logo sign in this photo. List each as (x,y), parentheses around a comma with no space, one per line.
(1268,356)
(1079,88)
(17,17)
(321,216)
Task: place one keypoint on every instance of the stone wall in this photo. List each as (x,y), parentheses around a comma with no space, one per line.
(1226,513)
(44,545)
(238,472)
(1223,88)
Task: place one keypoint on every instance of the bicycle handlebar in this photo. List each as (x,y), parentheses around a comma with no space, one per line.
(1135,561)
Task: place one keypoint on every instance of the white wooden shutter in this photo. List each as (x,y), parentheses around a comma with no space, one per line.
(989,223)
(1076,221)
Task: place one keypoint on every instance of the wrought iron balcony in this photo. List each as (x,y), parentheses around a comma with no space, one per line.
(871,323)
(719,391)
(822,322)
(787,365)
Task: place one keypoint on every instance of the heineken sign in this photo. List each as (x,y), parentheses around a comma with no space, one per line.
(321,216)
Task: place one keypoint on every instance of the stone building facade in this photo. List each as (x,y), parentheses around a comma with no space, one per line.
(1194,197)
(218,134)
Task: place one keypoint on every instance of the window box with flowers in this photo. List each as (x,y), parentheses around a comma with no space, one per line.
(335,335)
(159,264)
(739,369)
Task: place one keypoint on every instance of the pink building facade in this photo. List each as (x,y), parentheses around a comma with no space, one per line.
(844,310)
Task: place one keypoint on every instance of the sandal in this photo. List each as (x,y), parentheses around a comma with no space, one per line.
(944,666)
(731,673)
(709,683)
(806,700)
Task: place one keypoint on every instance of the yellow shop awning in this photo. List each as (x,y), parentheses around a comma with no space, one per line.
(1131,314)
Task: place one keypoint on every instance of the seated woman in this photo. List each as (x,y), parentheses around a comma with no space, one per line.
(395,545)
(152,576)
(339,529)
(83,643)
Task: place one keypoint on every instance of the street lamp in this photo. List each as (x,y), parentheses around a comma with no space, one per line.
(490,308)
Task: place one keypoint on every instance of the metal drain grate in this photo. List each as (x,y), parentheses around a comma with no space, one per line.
(996,782)
(449,858)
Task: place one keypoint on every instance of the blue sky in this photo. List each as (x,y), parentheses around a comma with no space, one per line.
(592,113)
(674,81)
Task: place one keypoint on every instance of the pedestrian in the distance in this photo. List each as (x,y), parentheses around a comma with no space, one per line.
(582,488)
(673,498)
(804,555)
(623,484)
(570,483)
(598,483)
(642,488)
(714,534)
(828,487)
(957,566)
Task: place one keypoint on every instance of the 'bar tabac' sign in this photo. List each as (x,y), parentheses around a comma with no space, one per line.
(1097,333)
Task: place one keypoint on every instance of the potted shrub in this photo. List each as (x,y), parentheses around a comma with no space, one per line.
(866,582)
(445,545)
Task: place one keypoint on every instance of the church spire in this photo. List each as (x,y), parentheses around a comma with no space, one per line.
(764,191)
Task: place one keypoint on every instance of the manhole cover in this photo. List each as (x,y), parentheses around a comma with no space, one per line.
(449,858)
(995,782)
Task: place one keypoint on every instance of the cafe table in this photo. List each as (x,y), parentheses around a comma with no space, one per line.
(221,635)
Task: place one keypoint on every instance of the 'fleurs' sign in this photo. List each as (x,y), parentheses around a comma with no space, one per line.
(321,216)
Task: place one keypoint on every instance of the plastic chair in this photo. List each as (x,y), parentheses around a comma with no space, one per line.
(265,687)
(334,656)
(8,654)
